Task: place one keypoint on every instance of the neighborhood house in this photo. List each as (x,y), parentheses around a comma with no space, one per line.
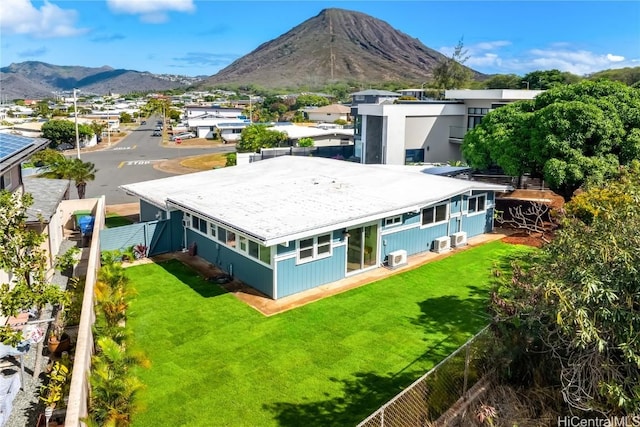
(289,224)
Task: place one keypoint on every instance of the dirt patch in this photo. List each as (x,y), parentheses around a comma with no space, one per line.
(524,238)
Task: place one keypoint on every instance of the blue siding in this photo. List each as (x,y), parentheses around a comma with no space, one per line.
(413,240)
(476,224)
(148,212)
(456,205)
(243,268)
(488,226)
(292,278)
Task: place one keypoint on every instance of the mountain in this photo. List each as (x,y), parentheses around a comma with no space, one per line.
(33,79)
(335,45)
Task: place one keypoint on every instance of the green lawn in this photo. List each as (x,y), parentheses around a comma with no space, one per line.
(217,362)
(114,220)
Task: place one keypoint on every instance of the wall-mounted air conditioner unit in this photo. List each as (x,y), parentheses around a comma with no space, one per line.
(397,258)
(459,239)
(442,244)
(186,222)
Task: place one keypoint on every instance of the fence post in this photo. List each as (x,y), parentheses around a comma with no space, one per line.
(466,371)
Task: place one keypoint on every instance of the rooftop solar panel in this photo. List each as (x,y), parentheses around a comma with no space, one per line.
(12,144)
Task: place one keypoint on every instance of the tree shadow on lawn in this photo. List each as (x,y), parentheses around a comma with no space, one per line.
(360,398)
(191,278)
(454,316)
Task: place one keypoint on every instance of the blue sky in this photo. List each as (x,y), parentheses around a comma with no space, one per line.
(192,37)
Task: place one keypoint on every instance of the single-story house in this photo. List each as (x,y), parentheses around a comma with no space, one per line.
(322,137)
(329,113)
(289,224)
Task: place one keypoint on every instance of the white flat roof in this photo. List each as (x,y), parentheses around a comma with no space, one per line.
(296,131)
(289,197)
(492,94)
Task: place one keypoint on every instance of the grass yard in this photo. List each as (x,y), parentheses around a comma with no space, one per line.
(217,362)
(205,162)
(113,220)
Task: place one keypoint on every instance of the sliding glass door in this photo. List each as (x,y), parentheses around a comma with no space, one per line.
(362,247)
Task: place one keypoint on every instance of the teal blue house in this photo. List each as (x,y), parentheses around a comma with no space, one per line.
(289,224)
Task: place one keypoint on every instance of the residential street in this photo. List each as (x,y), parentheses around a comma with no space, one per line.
(132,159)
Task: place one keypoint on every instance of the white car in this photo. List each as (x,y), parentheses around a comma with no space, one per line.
(184,135)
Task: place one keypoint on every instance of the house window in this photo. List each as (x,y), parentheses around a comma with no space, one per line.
(6,181)
(222,235)
(477,204)
(265,254)
(212,230)
(231,239)
(394,220)
(414,156)
(242,243)
(314,248)
(253,249)
(359,97)
(199,224)
(434,214)
(474,116)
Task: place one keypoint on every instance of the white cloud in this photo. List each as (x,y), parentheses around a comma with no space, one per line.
(21,17)
(615,58)
(154,12)
(492,57)
(490,45)
(578,62)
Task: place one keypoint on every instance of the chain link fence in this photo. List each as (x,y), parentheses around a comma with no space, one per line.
(428,400)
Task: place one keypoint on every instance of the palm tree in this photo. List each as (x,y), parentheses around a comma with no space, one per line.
(82,173)
(57,167)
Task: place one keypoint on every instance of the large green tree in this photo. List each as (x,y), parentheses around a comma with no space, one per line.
(257,136)
(543,80)
(64,131)
(568,135)
(577,304)
(310,100)
(22,257)
(504,81)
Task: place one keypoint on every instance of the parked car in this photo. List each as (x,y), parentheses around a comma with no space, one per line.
(185,135)
(64,146)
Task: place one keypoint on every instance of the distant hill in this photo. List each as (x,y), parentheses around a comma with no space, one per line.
(335,45)
(33,79)
(628,75)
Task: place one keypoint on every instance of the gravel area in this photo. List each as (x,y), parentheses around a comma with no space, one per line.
(27,405)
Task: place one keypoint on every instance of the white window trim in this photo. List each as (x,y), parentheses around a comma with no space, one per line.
(475,197)
(432,224)
(393,221)
(314,247)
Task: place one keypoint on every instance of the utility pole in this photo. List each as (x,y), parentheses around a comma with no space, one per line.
(75,113)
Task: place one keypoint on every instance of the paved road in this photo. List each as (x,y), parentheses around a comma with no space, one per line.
(131,160)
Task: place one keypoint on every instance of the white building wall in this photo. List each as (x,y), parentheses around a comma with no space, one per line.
(326,117)
(56,232)
(411,126)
